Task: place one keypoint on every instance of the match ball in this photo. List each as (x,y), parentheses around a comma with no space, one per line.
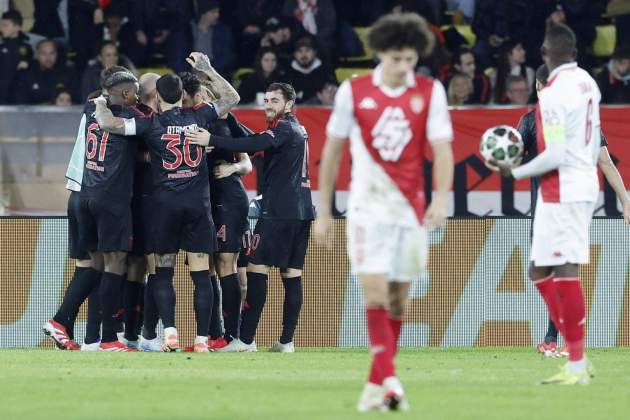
(503,144)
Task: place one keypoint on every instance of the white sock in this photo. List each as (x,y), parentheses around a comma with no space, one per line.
(201,339)
(577,367)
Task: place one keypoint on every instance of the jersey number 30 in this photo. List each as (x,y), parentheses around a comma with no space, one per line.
(173,141)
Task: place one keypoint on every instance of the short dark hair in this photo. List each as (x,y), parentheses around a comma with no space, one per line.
(106,73)
(190,82)
(170,88)
(288,92)
(461,51)
(103,44)
(561,43)
(14,16)
(119,78)
(514,79)
(622,52)
(542,74)
(396,31)
(46,41)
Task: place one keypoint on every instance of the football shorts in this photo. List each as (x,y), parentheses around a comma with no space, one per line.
(280,243)
(104,225)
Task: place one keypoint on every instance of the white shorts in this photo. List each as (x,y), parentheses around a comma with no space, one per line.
(399,252)
(560,233)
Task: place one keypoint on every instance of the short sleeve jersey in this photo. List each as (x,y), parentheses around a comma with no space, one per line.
(177,165)
(109,158)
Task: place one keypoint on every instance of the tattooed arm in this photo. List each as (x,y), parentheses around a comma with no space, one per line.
(227,95)
(106,119)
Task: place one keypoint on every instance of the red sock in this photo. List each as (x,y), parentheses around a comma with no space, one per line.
(573,314)
(395,325)
(547,289)
(380,335)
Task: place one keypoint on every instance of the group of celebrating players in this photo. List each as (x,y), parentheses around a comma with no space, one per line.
(390,117)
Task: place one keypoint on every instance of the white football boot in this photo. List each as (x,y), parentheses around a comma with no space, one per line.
(395,395)
(237,346)
(91,347)
(150,345)
(372,398)
(278,347)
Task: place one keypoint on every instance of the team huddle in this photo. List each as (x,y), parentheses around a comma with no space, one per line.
(154,177)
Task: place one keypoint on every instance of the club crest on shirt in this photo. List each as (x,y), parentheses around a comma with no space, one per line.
(367,103)
(417,104)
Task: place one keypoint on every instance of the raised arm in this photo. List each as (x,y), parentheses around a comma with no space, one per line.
(227,96)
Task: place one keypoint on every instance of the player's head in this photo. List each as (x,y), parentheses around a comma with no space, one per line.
(122,88)
(105,73)
(148,92)
(464,61)
(191,85)
(399,40)
(559,46)
(279,99)
(11,24)
(169,89)
(542,74)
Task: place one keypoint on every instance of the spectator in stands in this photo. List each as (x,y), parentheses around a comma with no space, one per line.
(116,28)
(432,10)
(63,97)
(213,38)
(84,18)
(279,36)
(107,57)
(325,96)
(163,27)
(511,63)
(266,71)
(620,11)
(460,89)
(517,90)
(51,19)
(15,51)
(463,10)
(250,18)
(614,80)
(38,84)
(317,18)
(464,62)
(496,22)
(307,73)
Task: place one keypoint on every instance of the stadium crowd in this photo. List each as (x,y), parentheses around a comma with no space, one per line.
(59,58)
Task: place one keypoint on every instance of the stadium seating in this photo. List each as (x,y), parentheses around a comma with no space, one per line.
(604,44)
(344,73)
(238,73)
(464,30)
(368,54)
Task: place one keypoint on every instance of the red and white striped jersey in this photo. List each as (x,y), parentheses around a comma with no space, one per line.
(388,131)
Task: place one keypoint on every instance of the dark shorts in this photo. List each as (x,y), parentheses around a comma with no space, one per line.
(246,249)
(231,223)
(280,243)
(75,247)
(182,224)
(142,215)
(104,225)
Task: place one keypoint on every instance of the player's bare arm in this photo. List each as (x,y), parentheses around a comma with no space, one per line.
(106,119)
(329,166)
(227,95)
(613,177)
(225,169)
(443,175)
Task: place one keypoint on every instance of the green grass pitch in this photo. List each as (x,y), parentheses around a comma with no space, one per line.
(488,383)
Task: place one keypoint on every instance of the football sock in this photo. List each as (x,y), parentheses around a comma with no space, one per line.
(119,315)
(202,301)
(396,326)
(140,309)
(164,294)
(254,304)
(547,289)
(131,304)
(381,339)
(573,315)
(215,330)
(93,325)
(291,307)
(231,305)
(552,333)
(109,299)
(78,290)
(150,315)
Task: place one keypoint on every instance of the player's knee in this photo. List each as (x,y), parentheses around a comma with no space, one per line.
(83,263)
(165,260)
(226,264)
(115,262)
(256,268)
(291,273)
(136,268)
(567,271)
(198,261)
(537,273)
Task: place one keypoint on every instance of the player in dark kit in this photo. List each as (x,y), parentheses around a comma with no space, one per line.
(182,218)
(527,128)
(281,236)
(229,211)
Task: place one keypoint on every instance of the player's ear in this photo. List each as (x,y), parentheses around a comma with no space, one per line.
(289,106)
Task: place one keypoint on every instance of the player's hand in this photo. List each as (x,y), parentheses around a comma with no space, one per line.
(199,61)
(200,137)
(321,230)
(502,168)
(223,169)
(100,100)
(626,211)
(435,215)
